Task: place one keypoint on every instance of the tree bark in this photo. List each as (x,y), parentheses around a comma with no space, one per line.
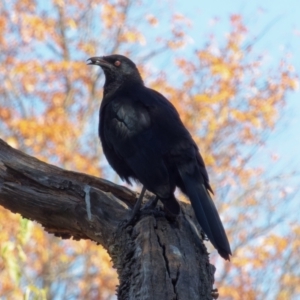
(155,259)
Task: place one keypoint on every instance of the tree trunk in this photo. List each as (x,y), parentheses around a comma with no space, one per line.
(155,259)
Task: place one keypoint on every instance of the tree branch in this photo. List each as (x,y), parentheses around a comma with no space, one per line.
(55,197)
(155,259)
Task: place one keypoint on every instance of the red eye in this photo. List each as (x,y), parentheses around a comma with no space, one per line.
(117,63)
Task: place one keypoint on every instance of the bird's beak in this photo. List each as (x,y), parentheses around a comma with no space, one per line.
(98,61)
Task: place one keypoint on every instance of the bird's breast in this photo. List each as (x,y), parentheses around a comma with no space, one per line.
(127,119)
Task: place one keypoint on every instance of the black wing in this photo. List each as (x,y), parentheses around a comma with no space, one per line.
(130,141)
(144,127)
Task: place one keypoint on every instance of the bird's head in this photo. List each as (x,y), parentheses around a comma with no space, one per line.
(118,69)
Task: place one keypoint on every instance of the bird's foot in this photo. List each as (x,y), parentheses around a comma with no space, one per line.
(171,208)
(151,204)
(170,216)
(136,209)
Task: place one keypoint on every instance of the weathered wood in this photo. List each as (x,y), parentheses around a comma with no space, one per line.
(55,197)
(155,259)
(162,261)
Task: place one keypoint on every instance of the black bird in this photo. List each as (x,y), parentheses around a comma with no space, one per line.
(144,139)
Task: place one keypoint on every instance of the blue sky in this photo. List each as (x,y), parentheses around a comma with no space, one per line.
(280,20)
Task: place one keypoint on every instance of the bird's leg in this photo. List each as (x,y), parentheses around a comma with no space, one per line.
(151,204)
(137,206)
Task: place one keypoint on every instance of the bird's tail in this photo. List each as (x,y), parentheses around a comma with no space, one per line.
(206,212)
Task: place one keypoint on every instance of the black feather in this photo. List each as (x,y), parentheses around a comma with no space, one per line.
(206,212)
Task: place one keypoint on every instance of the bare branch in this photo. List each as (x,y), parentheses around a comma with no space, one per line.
(155,259)
(55,197)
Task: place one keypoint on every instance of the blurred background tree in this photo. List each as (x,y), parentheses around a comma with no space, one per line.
(229,94)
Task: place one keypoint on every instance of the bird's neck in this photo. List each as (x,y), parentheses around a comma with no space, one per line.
(114,85)
(111,86)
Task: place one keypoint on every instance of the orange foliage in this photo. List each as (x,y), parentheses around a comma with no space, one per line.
(28,253)
(49,108)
